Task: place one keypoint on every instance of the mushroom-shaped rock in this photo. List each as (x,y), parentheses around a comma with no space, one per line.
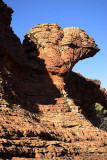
(60,48)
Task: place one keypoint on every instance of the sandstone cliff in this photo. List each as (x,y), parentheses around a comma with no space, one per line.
(47,110)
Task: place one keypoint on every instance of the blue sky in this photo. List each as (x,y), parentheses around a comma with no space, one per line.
(90,15)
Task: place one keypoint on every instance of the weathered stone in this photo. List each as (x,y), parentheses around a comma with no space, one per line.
(46,108)
(60,49)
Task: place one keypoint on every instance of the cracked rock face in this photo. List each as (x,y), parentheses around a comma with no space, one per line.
(60,49)
(46,108)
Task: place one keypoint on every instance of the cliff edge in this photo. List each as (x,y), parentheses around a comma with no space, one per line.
(47,111)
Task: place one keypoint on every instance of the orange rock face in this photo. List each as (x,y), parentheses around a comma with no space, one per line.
(46,110)
(60,49)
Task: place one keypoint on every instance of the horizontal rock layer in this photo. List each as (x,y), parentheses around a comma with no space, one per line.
(60,49)
(46,110)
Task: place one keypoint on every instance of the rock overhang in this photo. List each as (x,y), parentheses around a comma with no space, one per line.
(38,117)
(60,48)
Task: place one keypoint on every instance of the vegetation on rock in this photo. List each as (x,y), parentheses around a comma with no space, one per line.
(101,114)
(46,110)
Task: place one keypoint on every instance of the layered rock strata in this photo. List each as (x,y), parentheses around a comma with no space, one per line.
(60,49)
(44,106)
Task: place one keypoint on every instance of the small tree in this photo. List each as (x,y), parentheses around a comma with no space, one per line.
(101,114)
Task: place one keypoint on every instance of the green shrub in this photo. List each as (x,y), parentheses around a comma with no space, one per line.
(101,115)
(98,107)
(105,112)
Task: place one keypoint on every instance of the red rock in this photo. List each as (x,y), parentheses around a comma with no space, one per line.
(45,108)
(59,48)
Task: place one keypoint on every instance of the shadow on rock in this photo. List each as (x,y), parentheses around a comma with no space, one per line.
(31,87)
(86,93)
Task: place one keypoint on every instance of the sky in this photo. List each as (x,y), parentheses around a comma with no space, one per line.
(89,15)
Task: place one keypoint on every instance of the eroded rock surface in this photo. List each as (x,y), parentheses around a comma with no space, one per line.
(45,107)
(60,49)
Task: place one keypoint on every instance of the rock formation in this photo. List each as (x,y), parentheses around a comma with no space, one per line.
(47,110)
